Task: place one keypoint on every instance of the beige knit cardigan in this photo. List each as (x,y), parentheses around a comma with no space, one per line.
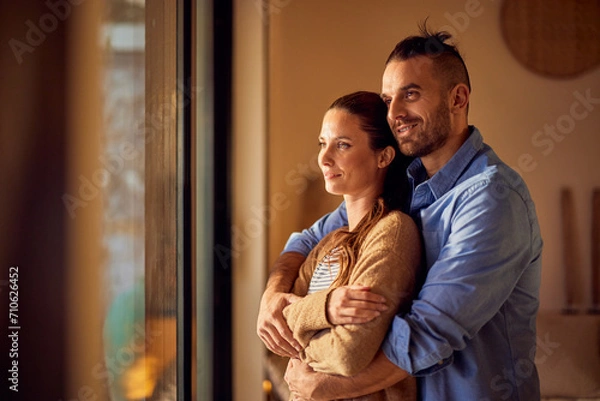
(389,262)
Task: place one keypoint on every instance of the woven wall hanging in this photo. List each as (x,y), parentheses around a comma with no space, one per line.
(554,38)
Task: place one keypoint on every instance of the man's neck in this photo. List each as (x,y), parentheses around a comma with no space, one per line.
(437,159)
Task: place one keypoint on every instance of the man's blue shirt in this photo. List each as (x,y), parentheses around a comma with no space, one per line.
(470,334)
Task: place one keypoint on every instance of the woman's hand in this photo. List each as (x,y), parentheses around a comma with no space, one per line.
(354,304)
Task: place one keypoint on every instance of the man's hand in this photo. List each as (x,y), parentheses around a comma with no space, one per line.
(305,383)
(354,304)
(271,326)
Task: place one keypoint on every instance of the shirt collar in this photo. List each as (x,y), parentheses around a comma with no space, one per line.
(446,177)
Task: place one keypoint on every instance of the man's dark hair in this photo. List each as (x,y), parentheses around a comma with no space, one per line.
(448,62)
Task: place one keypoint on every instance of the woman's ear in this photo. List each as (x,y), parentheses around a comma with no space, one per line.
(386,156)
(459,98)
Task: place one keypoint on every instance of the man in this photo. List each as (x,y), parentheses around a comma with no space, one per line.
(470,334)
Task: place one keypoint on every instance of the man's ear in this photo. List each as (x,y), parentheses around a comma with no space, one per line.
(459,98)
(386,156)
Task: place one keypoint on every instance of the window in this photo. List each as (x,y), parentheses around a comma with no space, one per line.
(161,211)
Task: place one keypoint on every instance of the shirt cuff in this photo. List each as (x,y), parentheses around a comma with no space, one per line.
(441,364)
(396,349)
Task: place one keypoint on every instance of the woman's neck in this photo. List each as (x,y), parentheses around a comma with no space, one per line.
(357,208)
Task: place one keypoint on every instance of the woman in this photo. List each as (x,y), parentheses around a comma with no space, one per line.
(380,249)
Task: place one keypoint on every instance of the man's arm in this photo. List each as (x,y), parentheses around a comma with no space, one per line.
(305,383)
(271,325)
(388,263)
(478,263)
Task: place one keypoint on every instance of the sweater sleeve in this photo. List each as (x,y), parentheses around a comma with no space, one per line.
(388,263)
(308,315)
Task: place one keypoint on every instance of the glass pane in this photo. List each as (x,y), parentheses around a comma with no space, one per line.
(128,370)
(142,192)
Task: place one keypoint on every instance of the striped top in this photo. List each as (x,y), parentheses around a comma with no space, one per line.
(325,273)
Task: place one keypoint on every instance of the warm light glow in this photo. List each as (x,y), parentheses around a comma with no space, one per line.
(140,379)
(267,386)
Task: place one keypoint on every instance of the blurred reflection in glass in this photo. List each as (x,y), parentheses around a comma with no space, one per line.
(130,371)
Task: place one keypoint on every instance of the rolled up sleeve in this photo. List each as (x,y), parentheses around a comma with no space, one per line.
(474,267)
(303,242)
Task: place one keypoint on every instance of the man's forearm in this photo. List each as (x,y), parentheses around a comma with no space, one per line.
(271,326)
(379,375)
(284,272)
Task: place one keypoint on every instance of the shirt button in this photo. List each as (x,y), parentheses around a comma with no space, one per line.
(441,362)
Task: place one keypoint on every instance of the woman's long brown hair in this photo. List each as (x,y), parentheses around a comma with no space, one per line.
(372,112)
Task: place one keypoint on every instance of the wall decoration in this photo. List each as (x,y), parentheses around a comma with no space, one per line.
(554,38)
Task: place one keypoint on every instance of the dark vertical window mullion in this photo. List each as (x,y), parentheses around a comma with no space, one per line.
(185,222)
(222,48)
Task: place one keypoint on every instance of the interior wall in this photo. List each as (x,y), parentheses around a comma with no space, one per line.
(248,248)
(321,50)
